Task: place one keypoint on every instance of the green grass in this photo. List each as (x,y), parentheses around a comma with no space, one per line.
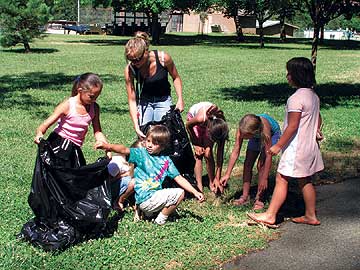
(240,78)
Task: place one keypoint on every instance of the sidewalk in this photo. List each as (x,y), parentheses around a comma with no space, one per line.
(333,245)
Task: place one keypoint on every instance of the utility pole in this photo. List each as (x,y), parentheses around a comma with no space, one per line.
(78,12)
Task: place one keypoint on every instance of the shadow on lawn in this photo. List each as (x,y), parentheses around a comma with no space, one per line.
(251,42)
(331,94)
(14,90)
(33,50)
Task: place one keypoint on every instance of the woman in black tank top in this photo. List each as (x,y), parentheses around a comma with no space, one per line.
(147,85)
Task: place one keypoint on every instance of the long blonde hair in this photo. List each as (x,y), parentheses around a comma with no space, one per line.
(252,124)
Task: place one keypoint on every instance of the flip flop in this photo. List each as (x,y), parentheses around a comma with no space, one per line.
(241,201)
(302,220)
(255,221)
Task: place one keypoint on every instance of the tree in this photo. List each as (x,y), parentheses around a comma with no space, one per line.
(153,8)
(322,12)
(232,9)
(262,10)
(286,10)
(21,21)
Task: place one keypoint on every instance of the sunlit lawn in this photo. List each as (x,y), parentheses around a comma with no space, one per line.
(239,78)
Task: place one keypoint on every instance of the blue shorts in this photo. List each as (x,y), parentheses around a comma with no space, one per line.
(123,184)
(254,144)
(153,108)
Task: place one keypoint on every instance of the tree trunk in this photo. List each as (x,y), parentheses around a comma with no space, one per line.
(155,29)
(239,33)
(261,33)
(321,41)
(26,46)
(314,47)
(282,29)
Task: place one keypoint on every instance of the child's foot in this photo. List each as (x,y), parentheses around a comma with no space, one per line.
(263,219)
(242,201)
(258,205)
(138,216)
(305,220)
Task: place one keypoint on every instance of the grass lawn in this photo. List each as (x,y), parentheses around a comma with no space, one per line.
(239,78)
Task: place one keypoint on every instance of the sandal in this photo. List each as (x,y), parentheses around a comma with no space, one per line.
(241,201)
(258,205)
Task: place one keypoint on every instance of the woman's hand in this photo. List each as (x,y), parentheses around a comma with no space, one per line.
(139,133)
(180,105)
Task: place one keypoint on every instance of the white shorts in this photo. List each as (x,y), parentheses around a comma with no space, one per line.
(161,199)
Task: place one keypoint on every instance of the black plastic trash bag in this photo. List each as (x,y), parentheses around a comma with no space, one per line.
(180,150)
(69,203)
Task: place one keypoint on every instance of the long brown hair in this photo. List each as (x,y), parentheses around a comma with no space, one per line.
(217,127)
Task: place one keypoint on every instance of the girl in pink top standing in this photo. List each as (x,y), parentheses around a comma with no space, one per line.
(74,115)
(301,157)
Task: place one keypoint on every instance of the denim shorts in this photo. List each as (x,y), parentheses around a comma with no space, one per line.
(124,183)
(254,144)
(153,108)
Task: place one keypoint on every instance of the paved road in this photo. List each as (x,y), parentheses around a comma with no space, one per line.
(334,245)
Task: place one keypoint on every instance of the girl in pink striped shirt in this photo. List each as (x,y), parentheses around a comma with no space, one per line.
(74,115)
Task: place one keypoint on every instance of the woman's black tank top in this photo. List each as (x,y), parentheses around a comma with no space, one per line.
(156,85)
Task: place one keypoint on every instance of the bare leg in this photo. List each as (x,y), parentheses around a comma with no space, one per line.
(309,195)
(126,194)
(210,167)
(250,159)
(278,198)
(198,172)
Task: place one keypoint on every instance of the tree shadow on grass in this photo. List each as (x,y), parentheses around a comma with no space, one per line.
(251,42)
(13,90)
(331,94)
(101,42)
(34,50)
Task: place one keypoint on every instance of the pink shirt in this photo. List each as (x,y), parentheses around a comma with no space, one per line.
(302,157)
(74,126)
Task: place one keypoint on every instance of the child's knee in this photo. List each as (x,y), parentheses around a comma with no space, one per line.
(181,197)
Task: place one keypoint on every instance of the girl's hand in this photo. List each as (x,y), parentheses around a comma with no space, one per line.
(213,109)
(108,154)
(262,186)
(218,186)
(224,180)
(101,145)
(199,196)
(319,135)
(38,137)
(274,150)
(199,151)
